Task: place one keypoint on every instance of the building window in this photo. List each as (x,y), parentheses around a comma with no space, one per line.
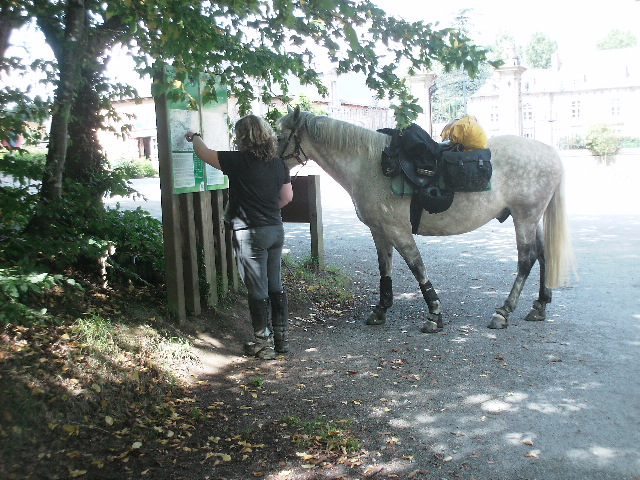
(144,147)
(575,109)
(527,112)
(494,114)
(615,107)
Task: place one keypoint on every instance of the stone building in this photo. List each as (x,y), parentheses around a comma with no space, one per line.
(550,105)
(556,104)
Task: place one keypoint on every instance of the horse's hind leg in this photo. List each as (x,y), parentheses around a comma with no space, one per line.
(530,249)
(538,312)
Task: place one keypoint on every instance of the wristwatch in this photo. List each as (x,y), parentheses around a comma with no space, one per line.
(195,135)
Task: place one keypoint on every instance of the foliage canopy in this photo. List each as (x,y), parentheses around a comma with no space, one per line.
(618,39)
(540,50)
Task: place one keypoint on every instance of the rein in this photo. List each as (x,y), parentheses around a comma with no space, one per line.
(297,149)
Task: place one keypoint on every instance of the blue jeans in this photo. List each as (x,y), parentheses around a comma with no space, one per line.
(259,254)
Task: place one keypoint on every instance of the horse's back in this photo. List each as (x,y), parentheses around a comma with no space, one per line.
(523,155)
(526,173)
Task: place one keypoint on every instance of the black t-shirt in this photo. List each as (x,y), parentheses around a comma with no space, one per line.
(254,189)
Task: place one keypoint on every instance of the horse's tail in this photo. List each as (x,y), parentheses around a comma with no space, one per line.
(559,258)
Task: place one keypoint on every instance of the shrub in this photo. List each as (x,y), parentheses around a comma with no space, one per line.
(137,238)
(572,142)
(135,168)
(629,142)
(80,232)
(603,142)
(18,288)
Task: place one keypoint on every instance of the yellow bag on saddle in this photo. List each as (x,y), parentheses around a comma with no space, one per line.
(466,131)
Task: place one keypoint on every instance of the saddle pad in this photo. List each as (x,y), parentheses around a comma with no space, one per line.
(401,186)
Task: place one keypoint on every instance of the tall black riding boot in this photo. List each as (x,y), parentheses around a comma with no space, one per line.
(280,319)
(262,346)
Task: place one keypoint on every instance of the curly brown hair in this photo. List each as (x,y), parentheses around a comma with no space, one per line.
(255,135)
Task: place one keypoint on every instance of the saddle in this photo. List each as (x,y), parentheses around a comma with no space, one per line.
(432,172)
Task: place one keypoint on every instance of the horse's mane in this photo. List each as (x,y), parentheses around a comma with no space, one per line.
(343,136)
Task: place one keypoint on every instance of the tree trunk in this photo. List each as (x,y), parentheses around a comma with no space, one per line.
(10,19)
(70,60)
(85,162)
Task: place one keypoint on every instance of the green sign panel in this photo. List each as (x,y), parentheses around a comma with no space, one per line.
(190,174)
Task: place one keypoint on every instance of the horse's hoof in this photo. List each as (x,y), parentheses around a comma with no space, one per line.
(534,316)
(376,318)
(498,321)
(537,314)
(430,327)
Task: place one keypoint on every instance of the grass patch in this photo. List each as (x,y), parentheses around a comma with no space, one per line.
(329,290)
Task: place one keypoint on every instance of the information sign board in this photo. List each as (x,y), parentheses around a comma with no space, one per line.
(189,173)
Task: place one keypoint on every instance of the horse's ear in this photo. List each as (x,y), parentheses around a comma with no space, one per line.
(296,113)
(289,109)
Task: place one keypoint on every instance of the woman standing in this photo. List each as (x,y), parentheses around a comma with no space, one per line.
(259,186)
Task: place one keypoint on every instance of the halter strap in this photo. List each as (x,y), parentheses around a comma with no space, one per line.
(297,149)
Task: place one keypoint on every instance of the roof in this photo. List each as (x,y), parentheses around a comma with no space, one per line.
(589,70)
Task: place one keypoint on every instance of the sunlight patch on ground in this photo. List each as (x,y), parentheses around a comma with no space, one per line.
(406,296)
(518,438)
(598,454)
(566,406)
(426,418)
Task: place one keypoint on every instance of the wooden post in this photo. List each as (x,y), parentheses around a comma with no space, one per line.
(204,226)
(189,255)
(217,218)
(170,216)
(306,207)
(232,269)
(315,222)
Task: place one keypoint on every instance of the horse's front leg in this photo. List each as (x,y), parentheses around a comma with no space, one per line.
(406,246)
(385,264)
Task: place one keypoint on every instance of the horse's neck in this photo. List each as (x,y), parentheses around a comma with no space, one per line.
(342,167)
(348,163)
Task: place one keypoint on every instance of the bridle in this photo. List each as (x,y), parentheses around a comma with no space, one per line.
(297,149)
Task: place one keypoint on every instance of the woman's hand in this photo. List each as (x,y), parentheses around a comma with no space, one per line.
(203,152)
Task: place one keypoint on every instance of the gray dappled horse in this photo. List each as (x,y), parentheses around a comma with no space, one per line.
(527,182)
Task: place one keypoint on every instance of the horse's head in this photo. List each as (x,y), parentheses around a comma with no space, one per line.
(289,132)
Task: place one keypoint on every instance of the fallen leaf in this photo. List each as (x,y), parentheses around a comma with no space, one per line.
(531,455)
(528,442)
(136,445)
(108,420)
(77,473)
(305,456)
